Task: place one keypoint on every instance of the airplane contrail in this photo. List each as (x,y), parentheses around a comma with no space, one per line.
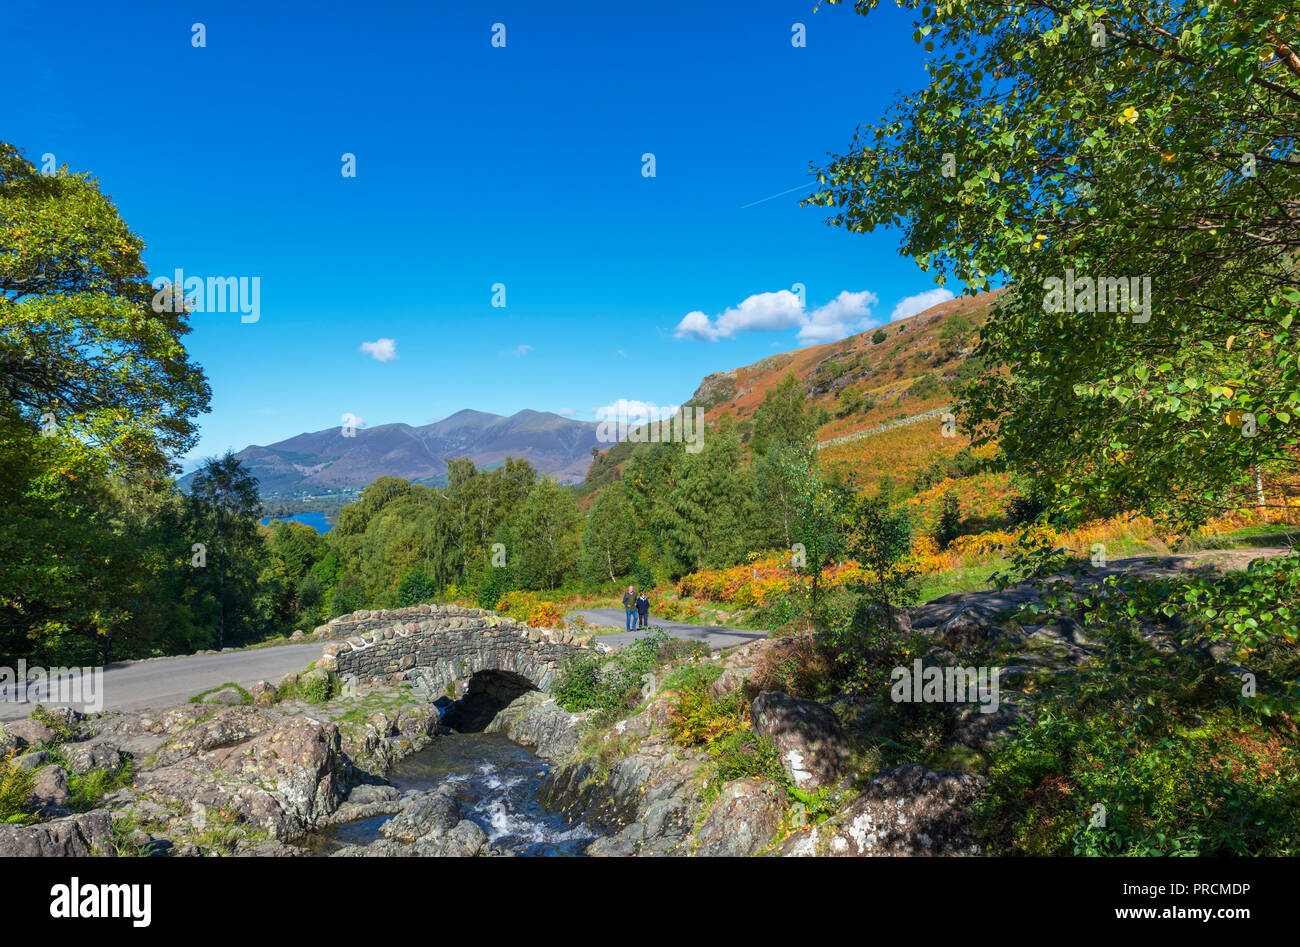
(774,196)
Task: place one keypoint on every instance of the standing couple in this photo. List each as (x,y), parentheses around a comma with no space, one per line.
(637,608)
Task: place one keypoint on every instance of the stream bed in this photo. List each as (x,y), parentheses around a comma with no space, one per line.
(495,780)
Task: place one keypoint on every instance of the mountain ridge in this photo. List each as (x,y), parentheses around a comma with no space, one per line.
(328,461)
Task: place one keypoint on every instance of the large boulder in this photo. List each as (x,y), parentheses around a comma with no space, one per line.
(813,748)
(537,721)
(987,731)
(730,680)
(31,732)
(907,810)
(423,813)
(744,819)
(969,627)
(284,780)
(229,696)
(90,833)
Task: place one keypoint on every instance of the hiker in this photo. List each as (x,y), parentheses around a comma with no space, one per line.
(629,607)
(642,610)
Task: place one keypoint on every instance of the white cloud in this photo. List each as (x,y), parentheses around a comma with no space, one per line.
(844,315)
(381,350)
(567,412)
(521,350)
(636,412)
(911,305)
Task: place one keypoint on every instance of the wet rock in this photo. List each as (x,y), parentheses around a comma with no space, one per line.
(648,801)
(537,721)
(465,840)
(422,813)
(373,792)
(811,743)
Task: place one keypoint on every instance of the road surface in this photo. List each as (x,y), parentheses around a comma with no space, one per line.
(165,682)
(715,636)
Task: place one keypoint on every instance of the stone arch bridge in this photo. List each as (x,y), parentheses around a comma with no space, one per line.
(437,647)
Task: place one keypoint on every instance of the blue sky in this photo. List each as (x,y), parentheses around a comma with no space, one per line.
(475,165)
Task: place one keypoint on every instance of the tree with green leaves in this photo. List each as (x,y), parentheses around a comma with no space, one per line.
(222,513)
(97,396)
(705,514)
(819,527)
(879,540)
(545,534)
(1129,170)
(949,526)
(610,537)
(784,419)
(80,345)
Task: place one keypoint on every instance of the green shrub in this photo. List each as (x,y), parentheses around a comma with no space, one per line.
(416,588)
(347,596)
(496,583)
(317,687)
(1170,791)
(949,526)
(615,684)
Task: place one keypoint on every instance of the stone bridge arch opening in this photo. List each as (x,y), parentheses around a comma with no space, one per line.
(486,694)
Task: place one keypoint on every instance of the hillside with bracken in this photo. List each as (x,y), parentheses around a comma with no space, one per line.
(877,396)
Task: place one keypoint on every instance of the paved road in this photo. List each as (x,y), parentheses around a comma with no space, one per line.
(716,636)
(165,682)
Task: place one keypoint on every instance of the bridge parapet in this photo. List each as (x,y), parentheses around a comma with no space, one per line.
(439,645)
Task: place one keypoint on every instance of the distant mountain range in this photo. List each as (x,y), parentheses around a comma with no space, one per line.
(326,461)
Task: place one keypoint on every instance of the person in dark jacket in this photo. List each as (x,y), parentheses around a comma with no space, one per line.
(629,607)
(642,610)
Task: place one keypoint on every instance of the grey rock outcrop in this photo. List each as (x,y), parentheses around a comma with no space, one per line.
(812,746)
